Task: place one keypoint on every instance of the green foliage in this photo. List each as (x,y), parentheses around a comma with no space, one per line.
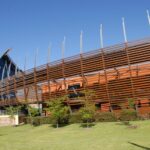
(128,115)
(75,118)
(32,112)
(36,121)
(105,117)
(59,112)
(126,123)
(131,103)
(89,95)
(87,112)
(11,110)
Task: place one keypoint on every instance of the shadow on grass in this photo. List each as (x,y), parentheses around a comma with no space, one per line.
(143,147)
(126,123)
(90,125)
(60,125)
(2,134)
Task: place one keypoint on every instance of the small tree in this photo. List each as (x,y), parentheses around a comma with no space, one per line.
(12,111)
(131,103)
(88,111)
(32,112)
(59,111)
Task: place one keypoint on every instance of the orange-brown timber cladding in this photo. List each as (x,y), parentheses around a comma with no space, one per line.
(116,73)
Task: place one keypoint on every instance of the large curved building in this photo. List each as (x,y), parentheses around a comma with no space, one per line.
(116,74)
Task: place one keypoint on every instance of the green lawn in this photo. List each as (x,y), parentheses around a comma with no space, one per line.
(103,136)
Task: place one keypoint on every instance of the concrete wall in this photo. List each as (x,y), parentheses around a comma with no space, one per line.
(6,120)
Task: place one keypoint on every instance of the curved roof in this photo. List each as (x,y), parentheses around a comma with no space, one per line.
(6,56)
(4,53)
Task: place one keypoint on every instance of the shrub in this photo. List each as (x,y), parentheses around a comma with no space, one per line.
(75,118)
(144,116)
(105,117)
(36,121)
(33,112)
(128,115)
(87,114)
(59,111)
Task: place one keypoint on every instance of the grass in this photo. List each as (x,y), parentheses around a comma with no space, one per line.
(102,136)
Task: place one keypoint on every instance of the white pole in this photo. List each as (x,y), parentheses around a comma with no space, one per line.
(124,30)
(81,42)
(49,53)
(8,71)
(148,16)
(25,63)
(36,54)
(3,72)
(63,47)
(101,36)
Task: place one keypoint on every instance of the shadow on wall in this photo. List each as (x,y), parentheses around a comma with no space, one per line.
(143,147)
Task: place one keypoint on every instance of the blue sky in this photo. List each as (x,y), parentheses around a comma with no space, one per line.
(26,25)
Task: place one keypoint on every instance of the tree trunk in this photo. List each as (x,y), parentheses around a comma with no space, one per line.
(57,125)
(136,109)
(87,124)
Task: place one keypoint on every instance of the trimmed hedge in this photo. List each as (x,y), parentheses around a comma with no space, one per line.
(75,118)
(99,117)
(38,120)
(105,117)
(128,115)
(125,115)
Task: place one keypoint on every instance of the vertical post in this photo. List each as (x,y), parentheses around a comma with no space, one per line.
(7,83)
(2,78)
(35,85)
(128,58)
(24,83)
(101,36)
(81,42)
(3,72)
(63,63)
(127,54)
(35,78)
(15,84)
(8,91)
(5,92)
(148,17)
(15,89)
(104,66)
(1,93)
(16,69)
(63,71)
(63,47)
(124,30)
(8,71)
(81,61)
(48,72)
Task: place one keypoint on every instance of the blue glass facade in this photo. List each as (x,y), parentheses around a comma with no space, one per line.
(7,69)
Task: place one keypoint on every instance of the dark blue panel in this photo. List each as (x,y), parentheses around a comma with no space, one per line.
(5,60)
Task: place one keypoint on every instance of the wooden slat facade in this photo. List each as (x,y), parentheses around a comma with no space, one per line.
(115,73)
